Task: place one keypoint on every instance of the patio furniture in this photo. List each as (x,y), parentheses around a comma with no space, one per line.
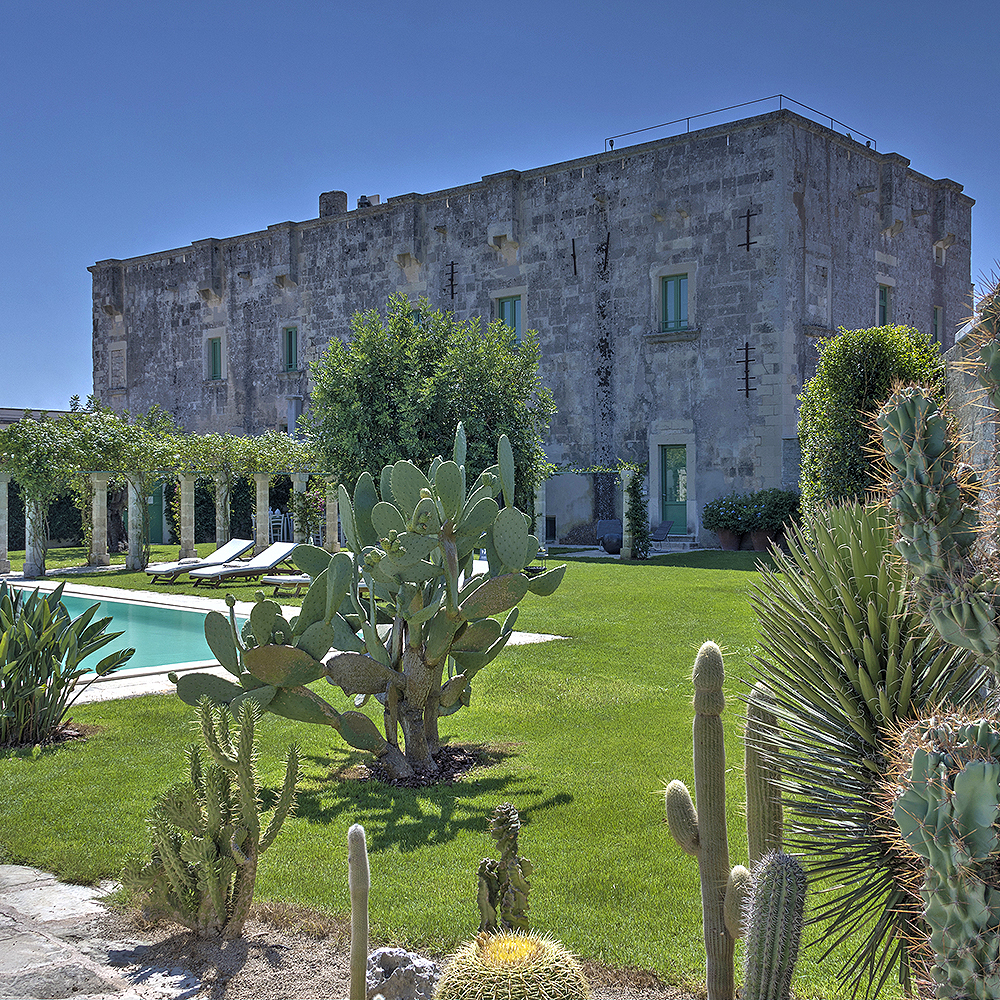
(609,535)
(290,584)
(659,536)
(265,562)
(169,572)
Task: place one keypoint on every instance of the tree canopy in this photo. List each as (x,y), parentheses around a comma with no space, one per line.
(404,381)
(855,375)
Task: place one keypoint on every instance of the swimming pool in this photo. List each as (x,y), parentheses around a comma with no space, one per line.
(162,636)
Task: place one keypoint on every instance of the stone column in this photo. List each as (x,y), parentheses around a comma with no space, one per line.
(540,512)
(4,557)
(221,508)
(188,551)
(626,552)
(262,481)
(133,561)
(34,539)
(99,520)
(299,482)
(332,515)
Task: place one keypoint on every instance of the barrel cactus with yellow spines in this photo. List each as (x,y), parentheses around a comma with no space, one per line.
(514,966)
(400,616)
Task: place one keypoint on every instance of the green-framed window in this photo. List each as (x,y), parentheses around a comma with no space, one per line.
(290,348)
(674,307)
(884,305)
(937,322)
(509,311)
(215,358)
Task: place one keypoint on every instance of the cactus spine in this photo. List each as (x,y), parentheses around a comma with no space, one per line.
(702,833)
(206,835)
(774,927)
(503,884)
(359,883)
(948,811)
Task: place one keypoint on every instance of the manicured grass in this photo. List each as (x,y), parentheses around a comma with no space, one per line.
(581,735)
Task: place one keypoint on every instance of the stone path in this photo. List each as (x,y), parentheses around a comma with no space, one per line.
(46,952)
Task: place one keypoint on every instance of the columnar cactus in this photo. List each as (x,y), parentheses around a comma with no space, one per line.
(948,812)
(405,617)
(207,836)
(702,833)
(934,501)
(764,812)
(503,884)
(359,884)
(774,927)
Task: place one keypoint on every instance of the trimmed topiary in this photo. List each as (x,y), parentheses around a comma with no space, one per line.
(514,966)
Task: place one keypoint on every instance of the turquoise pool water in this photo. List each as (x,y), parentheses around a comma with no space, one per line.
(161,636)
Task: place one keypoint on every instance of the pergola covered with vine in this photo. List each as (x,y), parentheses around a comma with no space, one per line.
(90,449)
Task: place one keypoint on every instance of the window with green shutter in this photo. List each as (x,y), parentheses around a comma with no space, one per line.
(884,305)
(509,311)
(290,348)
(674,310)
(215,358)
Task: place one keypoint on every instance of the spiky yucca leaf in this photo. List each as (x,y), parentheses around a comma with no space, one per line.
(847,659)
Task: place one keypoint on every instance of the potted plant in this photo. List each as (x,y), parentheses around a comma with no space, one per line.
(727,517)
(767,513)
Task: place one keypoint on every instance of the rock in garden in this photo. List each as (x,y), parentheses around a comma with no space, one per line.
(397,974)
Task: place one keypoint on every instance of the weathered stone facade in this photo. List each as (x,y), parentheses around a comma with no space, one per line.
(783,229)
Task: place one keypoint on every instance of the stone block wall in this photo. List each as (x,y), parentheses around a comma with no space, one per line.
(784,229)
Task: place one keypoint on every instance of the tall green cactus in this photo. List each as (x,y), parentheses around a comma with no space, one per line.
(407,620)
(948,812)
(774,926)
(207,835)
(503,884)
(702,833)
(359,884)
(935,504)
(764,813)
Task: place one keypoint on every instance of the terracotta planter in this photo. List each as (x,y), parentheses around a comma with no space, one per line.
(764,540)
(729,540)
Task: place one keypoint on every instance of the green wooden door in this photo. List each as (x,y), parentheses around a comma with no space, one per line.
(156,516)
(673,486)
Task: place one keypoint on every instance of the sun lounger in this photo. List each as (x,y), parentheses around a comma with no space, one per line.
(265,562)
(169,572)
(291,584)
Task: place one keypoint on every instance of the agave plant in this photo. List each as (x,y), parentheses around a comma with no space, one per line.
(848,660)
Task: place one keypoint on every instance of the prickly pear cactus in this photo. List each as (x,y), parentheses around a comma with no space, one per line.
(503,884)
(207,834)
(400,617)
(948,810)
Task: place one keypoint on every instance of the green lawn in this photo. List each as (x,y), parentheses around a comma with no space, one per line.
(584,733)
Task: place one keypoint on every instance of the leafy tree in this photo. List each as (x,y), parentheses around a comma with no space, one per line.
(403,382)
(855,375)
(39,455)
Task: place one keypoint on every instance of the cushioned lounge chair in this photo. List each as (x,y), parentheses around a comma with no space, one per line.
(169,572)
(291,584)
(265,562)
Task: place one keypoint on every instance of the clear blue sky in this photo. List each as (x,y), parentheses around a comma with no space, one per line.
(130,128)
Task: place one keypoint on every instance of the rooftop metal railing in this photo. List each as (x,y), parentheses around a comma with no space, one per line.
(783,101)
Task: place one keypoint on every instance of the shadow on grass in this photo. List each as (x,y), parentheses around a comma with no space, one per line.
(410,818)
